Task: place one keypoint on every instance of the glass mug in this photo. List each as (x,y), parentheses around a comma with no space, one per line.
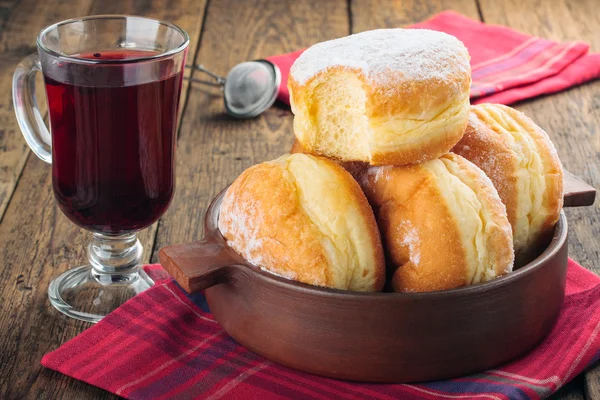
(113,85)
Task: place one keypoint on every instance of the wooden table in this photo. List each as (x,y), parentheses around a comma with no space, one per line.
(37,242)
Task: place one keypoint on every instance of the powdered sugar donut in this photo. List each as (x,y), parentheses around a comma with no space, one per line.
(387,97)
(283,216)
(523,164)
(442,223)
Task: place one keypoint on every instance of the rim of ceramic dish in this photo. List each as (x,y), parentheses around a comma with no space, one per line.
(184,44)
(558,239)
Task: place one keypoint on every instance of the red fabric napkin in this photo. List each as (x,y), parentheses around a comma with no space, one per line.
(164,344)
(507,66)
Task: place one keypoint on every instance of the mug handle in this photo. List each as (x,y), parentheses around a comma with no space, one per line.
(26,107)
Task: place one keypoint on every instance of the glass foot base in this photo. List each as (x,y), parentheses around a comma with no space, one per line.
(88,295)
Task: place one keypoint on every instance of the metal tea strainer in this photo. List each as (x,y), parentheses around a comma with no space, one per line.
(249,88)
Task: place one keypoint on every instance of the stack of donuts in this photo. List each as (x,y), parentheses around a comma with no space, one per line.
(395,181)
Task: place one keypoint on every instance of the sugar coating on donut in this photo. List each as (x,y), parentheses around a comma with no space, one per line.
(383,54)
(273,206)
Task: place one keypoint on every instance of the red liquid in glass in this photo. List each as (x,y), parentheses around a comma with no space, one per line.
(113,148)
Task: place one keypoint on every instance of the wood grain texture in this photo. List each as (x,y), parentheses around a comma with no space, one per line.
(571,118)
(37,242)
(375,14)
(214,148)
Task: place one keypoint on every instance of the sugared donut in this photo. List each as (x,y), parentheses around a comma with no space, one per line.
(522,162)
(442,223)
(304,218)
(386,97)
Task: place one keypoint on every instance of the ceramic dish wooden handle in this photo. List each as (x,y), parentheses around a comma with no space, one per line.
(577,193)
(198,265)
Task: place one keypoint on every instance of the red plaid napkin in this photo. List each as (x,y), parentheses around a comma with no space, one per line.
(507,66)
(164,344)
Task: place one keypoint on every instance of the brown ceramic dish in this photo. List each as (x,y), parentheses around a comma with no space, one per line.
(378,337)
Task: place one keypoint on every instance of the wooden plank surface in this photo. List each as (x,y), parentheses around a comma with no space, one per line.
(374,14)
(571,118)
(37,242)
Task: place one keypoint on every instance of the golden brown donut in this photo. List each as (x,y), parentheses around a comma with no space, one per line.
(304,218)
(442,223)
(521,161)
(386,97)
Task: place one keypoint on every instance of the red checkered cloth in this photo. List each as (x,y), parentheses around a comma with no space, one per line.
(164,344)
(507,66)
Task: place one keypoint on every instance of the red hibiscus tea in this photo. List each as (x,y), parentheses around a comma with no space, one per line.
(113,127)
(113,84)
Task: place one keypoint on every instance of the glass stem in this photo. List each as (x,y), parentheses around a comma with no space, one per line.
(115,254)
